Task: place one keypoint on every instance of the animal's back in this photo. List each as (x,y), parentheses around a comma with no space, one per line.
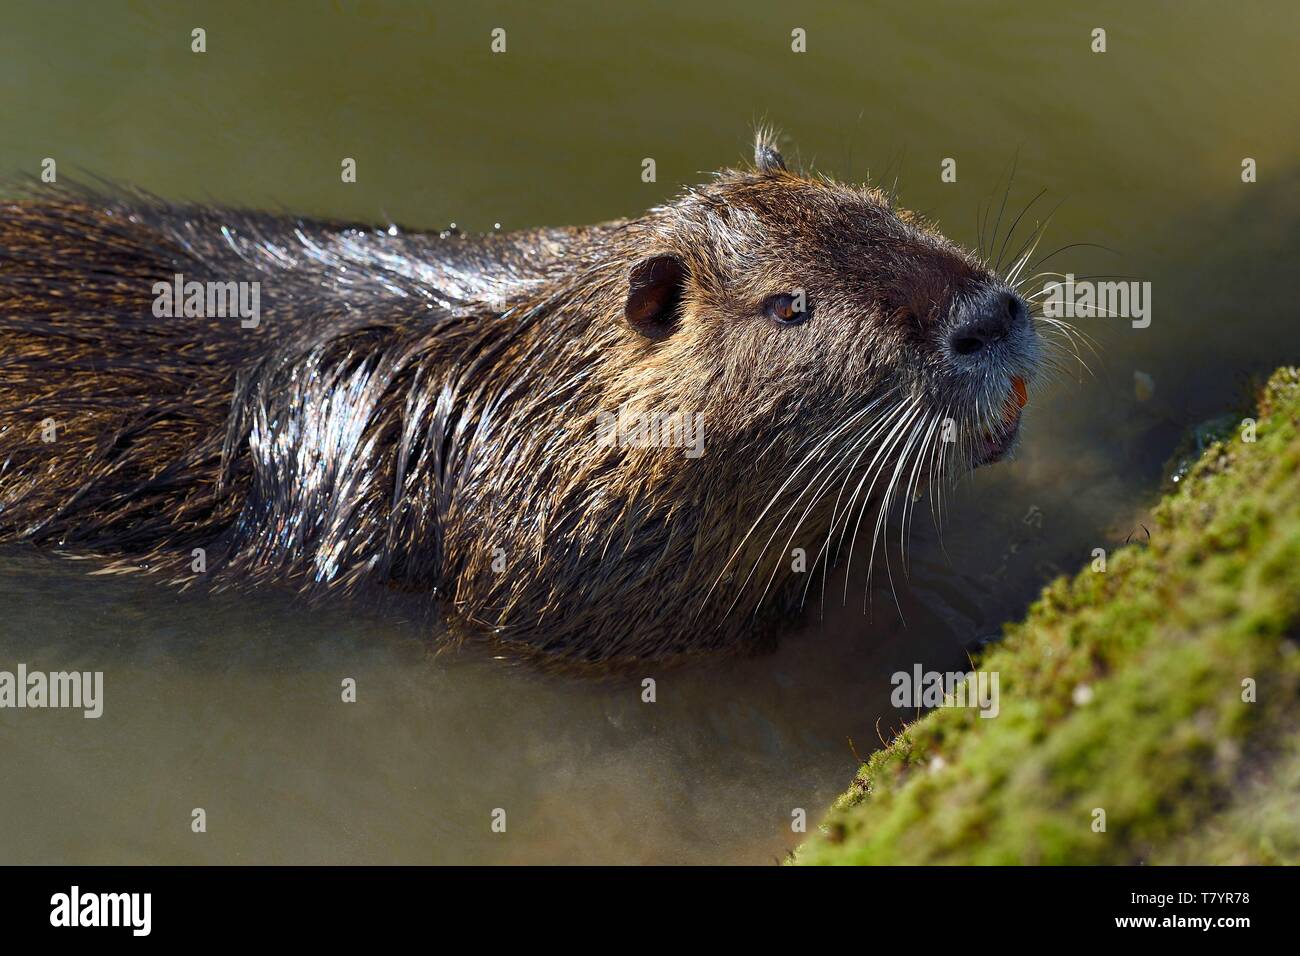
(127,433)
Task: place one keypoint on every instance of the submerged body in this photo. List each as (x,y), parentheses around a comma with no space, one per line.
(483,419)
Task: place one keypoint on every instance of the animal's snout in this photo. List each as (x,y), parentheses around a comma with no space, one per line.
(986,320)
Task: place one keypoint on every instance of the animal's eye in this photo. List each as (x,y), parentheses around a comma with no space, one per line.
(788,308)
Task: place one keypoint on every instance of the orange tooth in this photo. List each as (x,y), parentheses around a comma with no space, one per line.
(1015,401)
(1019,391)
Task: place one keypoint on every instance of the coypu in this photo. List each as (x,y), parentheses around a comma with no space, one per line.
(429,412)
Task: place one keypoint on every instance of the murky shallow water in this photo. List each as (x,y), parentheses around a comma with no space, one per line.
(232,704)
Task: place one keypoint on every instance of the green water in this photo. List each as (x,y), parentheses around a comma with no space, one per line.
(232,704)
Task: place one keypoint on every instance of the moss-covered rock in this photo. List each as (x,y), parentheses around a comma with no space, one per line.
(1128,691)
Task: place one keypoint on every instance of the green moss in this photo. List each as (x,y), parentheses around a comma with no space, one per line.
(1161,740)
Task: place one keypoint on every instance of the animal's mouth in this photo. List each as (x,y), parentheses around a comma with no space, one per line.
(995,442)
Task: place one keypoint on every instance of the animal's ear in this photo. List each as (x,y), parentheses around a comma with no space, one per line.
(654,295)
(767,158)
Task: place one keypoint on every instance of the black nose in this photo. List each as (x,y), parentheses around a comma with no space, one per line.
(985,320)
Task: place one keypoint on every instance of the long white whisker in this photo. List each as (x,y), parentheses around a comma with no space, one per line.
(812,455)
(874,472)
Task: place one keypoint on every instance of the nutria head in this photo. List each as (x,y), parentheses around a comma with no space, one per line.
(765,297)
